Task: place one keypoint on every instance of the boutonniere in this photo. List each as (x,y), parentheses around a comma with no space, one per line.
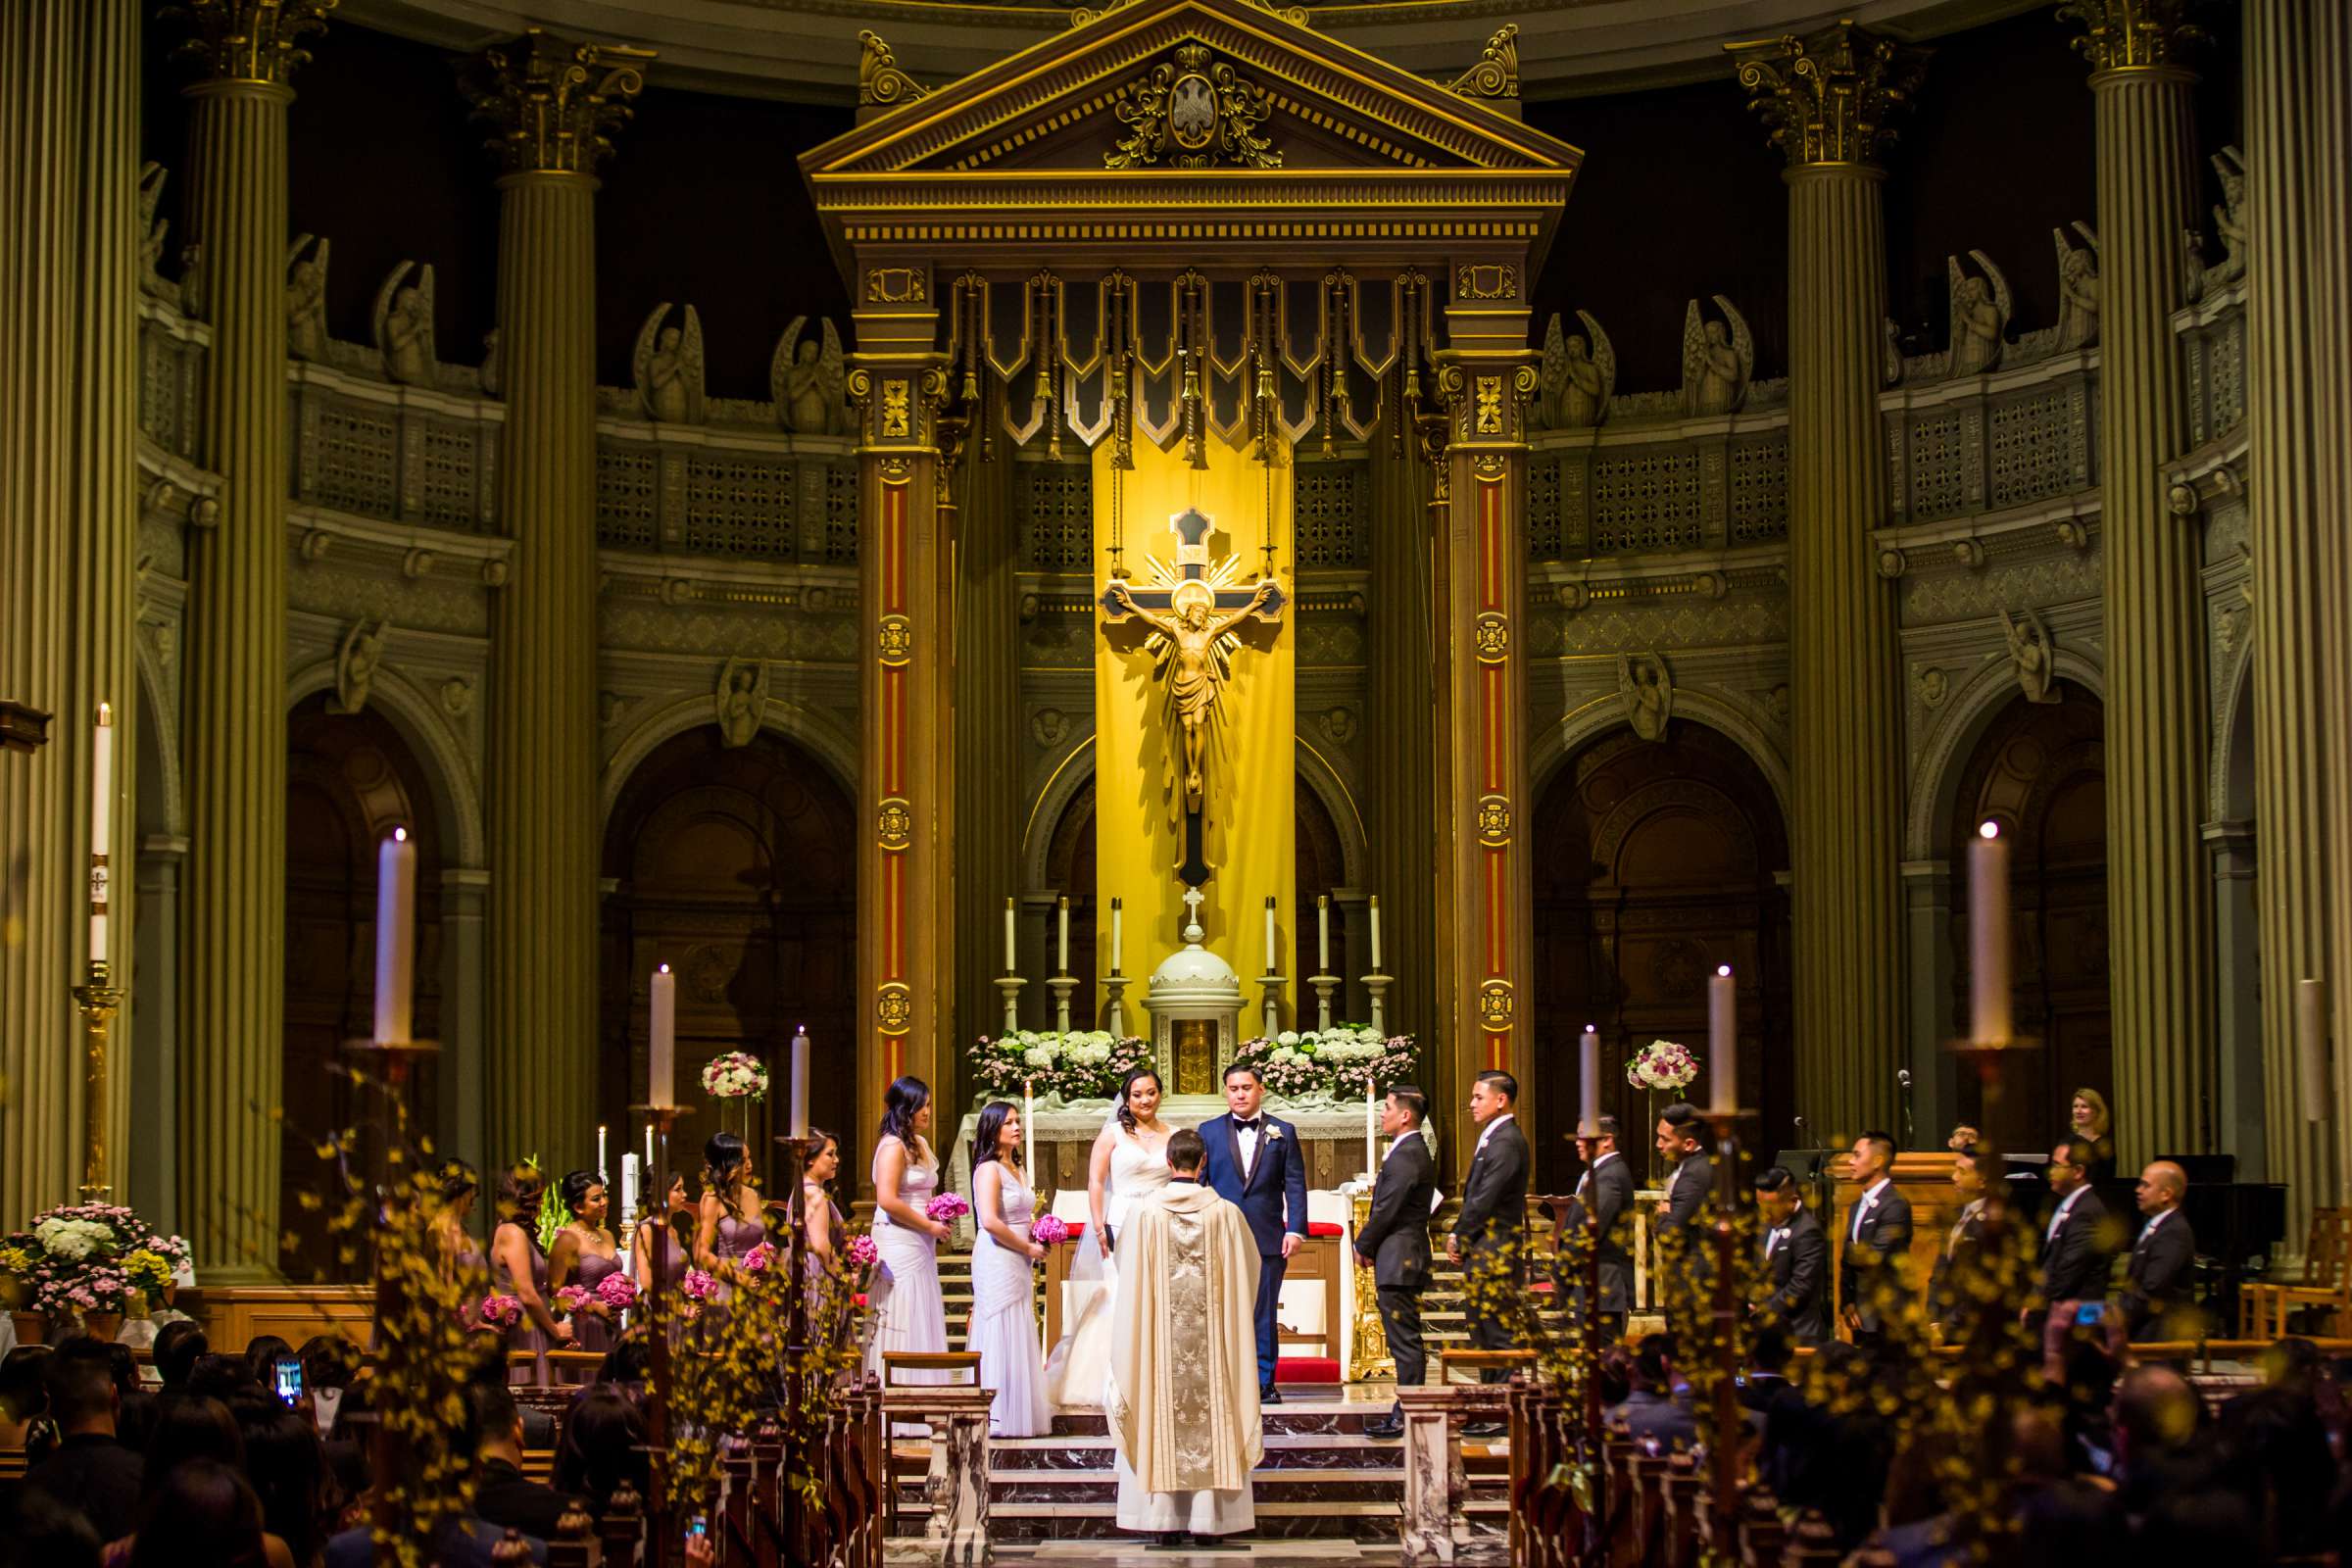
(1273,1134)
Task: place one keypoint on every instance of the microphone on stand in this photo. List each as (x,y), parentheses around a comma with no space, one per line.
(1903,1081)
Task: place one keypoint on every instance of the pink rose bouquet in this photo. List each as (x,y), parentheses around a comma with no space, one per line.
(862,1252)
(755,1260)
(947,1206)
(616,1291)
(499,1311)
(571,1297)
(1051,1229)
(700,1287)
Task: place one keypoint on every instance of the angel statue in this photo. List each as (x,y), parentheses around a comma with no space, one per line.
(306,299)
(152,230)
(2230,219)
(742,700)
(356,664)
(1980,315)
(1578,374)
(2078,287)
(808,381)
(670,368)
(2030,651)
(1647,688)
(1194,663)
(1718,358)
(404,325)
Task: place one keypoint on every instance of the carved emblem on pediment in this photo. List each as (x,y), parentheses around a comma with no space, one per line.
(1191,113)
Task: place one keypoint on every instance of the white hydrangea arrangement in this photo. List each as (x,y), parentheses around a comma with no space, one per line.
(1079,1065)
(1341,1061)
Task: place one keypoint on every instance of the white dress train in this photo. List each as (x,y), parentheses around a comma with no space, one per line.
(1080,1364)
(1004,1316)
(910,1312)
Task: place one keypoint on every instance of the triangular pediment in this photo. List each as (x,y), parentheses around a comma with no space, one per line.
(1056,108)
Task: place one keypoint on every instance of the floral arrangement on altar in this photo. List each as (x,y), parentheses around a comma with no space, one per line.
(1080,1064)
(1661,1065)
(1343,1062)
(735,1075)
(91,1258)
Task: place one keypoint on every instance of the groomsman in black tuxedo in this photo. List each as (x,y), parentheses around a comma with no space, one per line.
(1608,1187)
(2156,1283)
(1394,1242)
(1682,1142)
(2078,1252)
(1877,1238)
(1489,1230)
(1795,1289)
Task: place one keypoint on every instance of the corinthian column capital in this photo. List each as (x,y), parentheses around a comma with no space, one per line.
(552,104)
(1830,95)
(2131,35)
(251,40)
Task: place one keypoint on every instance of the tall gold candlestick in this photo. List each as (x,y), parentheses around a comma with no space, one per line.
(99,1001)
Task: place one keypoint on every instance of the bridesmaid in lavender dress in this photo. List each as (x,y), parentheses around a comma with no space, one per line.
(1005,1261)
(657,1238)
(583,1255)
(911,1314)
(460,1260)
(519,1268)
(732,1222)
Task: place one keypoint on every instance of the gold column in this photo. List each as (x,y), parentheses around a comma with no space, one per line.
(1828,98)
(989,752)
(2296,146)
(2330,256)
(2160,894)
(232,963)
(906,894)
(550,105)
(68,154)
(1487,880)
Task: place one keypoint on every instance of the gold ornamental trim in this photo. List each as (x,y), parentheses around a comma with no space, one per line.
(552,104)
(1496,1006)
(1491,636)
(1494,821)
(895,285)
(880,81)
(894,639)
(251,40)
(2133,34)
(1194,111)
(894,1006)
(1829,96)
(1496,74)
(893,824)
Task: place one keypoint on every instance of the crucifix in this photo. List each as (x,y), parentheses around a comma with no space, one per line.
(1192,611)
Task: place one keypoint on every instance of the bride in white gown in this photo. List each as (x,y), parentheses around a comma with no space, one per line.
(1130,1158)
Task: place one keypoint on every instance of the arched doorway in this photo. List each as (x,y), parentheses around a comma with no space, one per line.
(1655,861)
(351,779)
(2040,771)
(737,867)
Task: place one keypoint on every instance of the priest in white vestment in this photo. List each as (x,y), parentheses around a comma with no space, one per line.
(1182,1398)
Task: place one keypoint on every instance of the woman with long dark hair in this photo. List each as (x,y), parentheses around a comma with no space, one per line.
(1005,1261)
(732,1221)
(204,1515)
(519,1268)
(912,1315)
(659,1240)
(1130,1158)
(583,1255)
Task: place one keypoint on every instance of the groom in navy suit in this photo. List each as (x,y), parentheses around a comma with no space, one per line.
(1254,1163)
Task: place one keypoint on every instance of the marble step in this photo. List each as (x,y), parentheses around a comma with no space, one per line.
(1012,1458)
(1278,1519)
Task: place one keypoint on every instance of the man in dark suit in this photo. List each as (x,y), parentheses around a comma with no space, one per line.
(1961,1242)
(1877,1238)
(91,1471)
(2156,1297)
(1490,1228)
(1256,1164)
(503,1496)
(2076,1250)
(1394,1242)
(1681,1143)
(1607,1186)
(1794,1293)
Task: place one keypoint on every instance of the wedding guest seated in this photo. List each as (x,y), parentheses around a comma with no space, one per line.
(204,1511)
(603,1445)
(1766,1387)
(38,1531)
(502,1493)
(93,1471)
(217,1376)
(628,1363)
(25,1402)
(464,1541)
(262,1353)
(1658,1411)
(286,1464)
(1831,1456)
(178,1346)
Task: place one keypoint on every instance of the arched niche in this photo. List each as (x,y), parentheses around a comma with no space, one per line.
(737,867)
(351,779)
(2039,770)
(1655,861)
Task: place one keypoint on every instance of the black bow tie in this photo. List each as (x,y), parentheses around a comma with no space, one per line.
(1248,1126)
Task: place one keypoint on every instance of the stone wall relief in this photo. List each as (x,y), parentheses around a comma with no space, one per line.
(1645,686)
(404,325)
(1578,377)
(356,660)
(1718,358)
(306,298)
(1980,306)
(2032,652)
(742,700)
(810,381)
(153,231)
(2229,225)
(669,366)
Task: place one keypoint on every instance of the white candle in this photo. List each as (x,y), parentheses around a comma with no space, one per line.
(600,1148)
(650,1194)
(1028,1133)
(663,1060)
(1722,1043)
(1270,968)
(1589,1083)
(1117,916)
(1988,937)
(2311,1046)
(799,1082)
(1371,1131)
(1010,965)
(101,801)
(1322,934)
(628,1194)
(1061,937)
(1376,933)
(395,935)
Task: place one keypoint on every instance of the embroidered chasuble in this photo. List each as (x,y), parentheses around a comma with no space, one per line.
(1183,1388)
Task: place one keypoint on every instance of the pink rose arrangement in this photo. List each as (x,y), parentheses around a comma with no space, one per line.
(571,1297)
(947,1206)
(1051,1229)
(616,1291)
(755,1260)
(499,1311)
(862,1252)
(700,1287)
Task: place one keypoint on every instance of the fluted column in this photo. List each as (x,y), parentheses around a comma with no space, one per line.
(990,743)
(69,159)
(550,104)
(2160,892)
(1400,737)
(232,963)
(2330,259)
(1828,98)
(2297,138)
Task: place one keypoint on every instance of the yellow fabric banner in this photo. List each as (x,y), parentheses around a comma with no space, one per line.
(1250,824)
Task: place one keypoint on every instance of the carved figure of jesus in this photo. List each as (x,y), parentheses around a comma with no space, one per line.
(1193,677)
